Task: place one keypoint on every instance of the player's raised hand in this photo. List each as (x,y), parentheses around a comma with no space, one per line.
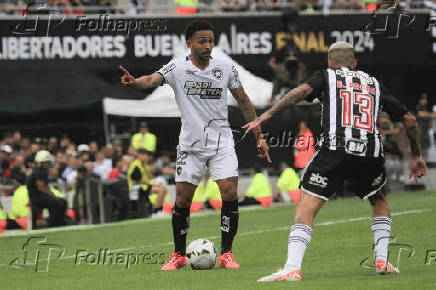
(256,122)
(417,168)
(263,149)
(127,79)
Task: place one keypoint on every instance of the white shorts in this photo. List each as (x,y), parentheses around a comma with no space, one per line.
(191,165)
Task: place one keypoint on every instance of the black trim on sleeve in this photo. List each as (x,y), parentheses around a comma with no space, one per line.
(164,81)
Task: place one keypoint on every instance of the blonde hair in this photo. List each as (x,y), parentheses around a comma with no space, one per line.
(341,53)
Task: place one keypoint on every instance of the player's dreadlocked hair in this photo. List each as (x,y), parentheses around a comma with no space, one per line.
(197,25)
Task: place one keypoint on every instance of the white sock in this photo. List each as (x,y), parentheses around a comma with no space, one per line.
(381,228)
(299,239)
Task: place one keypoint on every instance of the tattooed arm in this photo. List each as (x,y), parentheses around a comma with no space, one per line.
(417,164)
(249,114)
(293,97)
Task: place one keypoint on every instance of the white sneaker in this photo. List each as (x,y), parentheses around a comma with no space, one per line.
(282,275)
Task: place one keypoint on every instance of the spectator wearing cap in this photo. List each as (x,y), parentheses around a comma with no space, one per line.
(40,194)
(144,139)
(83,150)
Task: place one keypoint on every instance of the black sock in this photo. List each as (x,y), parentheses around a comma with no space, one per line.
(229,224)
(180,221)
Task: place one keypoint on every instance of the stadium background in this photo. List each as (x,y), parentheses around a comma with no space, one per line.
(54,93)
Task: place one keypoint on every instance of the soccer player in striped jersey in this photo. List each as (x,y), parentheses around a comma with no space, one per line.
(350,148)
(200,84)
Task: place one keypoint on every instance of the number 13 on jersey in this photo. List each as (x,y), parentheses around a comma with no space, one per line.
(365,108)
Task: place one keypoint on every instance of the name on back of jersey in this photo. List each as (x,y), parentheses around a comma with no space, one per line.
(203,89)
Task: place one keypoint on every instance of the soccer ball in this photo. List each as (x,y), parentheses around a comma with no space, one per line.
(201,254)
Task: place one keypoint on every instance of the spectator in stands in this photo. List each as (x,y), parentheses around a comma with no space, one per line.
(424,118)
(349,4)
(64,142)
(287,184)
(102,165)
(69,174)
(259,191)
(163,166)
(144,139)
(93,149)
(61,160)
(83,150)
(140,181)
(234,5)
(30,157)
(370,5)
(12,6)
(16,141)
(19,172)
(304,146)
(40,194)
(186,6)
(52,145)
(5,155)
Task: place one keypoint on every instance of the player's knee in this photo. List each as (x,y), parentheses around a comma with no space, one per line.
(183,202)
(229,193)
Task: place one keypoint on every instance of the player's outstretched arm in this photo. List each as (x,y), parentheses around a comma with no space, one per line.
(293,97)
(249,113)
(141,83)
(417,164)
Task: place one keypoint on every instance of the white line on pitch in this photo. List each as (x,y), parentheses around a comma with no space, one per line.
(327,223)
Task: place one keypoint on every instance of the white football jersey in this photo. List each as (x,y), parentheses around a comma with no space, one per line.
(201,96)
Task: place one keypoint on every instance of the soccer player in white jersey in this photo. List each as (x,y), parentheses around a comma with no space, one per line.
(200,83)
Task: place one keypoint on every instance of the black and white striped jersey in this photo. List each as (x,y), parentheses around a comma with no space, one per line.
(351,101)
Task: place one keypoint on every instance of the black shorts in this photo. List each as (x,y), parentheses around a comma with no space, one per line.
(328,170)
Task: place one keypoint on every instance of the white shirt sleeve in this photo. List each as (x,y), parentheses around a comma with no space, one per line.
(168,72)
(234,81)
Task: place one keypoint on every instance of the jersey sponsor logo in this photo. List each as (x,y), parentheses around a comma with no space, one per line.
(354,146)
(203,89)
(217,73)
(168,68)
(318,180)
(355,74)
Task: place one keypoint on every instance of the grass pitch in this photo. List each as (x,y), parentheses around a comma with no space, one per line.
(342,239)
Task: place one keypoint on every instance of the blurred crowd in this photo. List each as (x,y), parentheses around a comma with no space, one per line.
(197,6)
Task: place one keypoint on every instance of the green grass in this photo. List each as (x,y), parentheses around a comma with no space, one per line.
(332,260)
